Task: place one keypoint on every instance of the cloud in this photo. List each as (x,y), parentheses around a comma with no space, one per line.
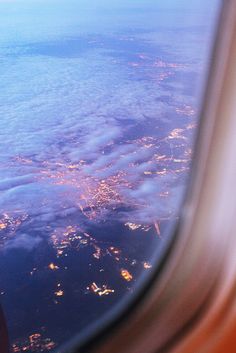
(69,124)
(149,197)
(13,182)
(120,158)
(92,145)
(22,241)
(152,203)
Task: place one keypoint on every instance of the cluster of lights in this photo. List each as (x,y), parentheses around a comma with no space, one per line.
(147,265)
(126,275)
(34,343)
(100,291)
(53,267)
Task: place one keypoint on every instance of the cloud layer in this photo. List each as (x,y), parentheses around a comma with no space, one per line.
(88,130)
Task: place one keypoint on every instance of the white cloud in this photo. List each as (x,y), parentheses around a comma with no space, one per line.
(22,241)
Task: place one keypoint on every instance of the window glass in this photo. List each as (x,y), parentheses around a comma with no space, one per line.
(99,109)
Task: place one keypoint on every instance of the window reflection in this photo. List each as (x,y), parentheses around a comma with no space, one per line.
(99,112)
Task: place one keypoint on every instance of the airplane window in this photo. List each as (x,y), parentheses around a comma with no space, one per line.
(99,110)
